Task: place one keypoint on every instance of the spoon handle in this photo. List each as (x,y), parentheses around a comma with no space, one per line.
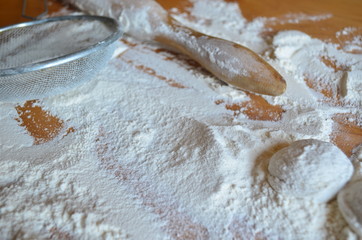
(230,62)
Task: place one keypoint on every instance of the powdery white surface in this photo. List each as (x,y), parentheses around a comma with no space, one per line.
(309,169)
(151,161)
(349,202)
(142,19)
(301,54)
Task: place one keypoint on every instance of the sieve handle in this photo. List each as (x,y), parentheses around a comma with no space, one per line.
(23,11)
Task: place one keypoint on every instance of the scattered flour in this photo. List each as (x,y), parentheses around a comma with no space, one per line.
(303,55)
(349,202)
(152,156)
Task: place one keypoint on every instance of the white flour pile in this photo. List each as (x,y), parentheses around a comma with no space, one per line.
(152,156)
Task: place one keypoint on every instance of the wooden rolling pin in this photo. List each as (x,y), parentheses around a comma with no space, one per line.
(228,61)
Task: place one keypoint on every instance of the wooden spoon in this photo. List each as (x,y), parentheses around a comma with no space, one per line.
(230,62)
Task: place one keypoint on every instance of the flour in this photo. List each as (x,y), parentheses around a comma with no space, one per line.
(310,169)
(302,55)
(349,202)
(352,39)
(156,154)
(142,19)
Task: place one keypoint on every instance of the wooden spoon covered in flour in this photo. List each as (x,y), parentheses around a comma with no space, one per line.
(230,62)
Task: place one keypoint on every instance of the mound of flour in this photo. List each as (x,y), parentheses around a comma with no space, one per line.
(311,169)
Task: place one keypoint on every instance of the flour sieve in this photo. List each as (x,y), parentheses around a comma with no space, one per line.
(50,56)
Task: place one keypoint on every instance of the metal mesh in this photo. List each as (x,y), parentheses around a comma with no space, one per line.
(54,80)
(24,46)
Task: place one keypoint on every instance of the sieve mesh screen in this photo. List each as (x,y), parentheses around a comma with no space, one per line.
(83,44)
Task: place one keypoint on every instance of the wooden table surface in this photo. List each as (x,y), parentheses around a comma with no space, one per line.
(344,13)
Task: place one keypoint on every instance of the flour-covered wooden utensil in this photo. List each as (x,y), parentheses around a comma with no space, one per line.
(230,62)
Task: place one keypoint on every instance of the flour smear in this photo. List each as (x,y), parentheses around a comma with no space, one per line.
(155,153)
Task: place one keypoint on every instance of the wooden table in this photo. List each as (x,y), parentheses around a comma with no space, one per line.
(344,13)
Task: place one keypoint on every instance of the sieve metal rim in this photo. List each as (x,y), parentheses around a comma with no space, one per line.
(113,24)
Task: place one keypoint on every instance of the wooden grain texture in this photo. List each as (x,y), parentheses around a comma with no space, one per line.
(10,10)
(343,13)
